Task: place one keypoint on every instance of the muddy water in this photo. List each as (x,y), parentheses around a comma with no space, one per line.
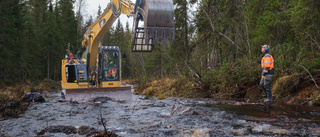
(169,117)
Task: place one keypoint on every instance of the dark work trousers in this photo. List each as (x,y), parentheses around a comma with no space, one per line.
(266,85)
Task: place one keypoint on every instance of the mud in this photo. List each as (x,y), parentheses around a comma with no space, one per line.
(168,117)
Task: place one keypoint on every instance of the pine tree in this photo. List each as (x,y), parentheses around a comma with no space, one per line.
(99,11)
(32,50)
(126,62)
(51,39)
(68,22)
(119,35)
(11,39)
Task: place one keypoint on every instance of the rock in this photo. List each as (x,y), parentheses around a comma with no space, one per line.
(240,132)
(315,131)
(89,131)
(261,128)
(62,100)
(202,132)
(59,129)
(201,102)
(45,93)
(154,124)
(101,99)
(238,103)
(97,103)
(280,131)
(34,91)
(310,103)
(33,97)
(181,110)
(159,104)
(266,128)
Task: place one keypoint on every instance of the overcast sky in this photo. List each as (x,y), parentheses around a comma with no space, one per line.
(92,9)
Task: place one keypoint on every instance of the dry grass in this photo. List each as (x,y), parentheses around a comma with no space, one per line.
(13,93)
(16,92)
(298,87)
(11,96)
(286,85)
(169,87)
(48,85)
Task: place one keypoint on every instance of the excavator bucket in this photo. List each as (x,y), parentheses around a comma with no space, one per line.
(157,17)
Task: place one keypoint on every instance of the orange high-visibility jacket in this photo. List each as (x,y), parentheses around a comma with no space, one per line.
(267,64)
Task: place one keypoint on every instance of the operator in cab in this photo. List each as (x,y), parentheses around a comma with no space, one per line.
(267,66)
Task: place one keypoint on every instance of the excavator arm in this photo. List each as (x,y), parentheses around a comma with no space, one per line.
(97,30)
(156,16)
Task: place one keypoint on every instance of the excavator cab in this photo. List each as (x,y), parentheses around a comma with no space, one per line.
(110,63)
(157,17)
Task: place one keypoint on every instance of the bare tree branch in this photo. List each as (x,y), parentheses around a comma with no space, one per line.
(315,83)
(312,39)
(214,30)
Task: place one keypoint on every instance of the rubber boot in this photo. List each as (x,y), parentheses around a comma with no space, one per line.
(267,86)
(270,98)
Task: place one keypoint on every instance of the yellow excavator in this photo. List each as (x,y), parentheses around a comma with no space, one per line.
(96,70)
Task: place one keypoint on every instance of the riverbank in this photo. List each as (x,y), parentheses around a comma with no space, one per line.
(292,89)
(11,96)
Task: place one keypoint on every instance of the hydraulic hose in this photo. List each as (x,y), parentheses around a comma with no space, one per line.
(88,56)
(116,12)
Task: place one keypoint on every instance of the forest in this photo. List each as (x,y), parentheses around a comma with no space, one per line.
(216,52)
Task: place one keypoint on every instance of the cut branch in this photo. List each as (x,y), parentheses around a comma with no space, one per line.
(315,83)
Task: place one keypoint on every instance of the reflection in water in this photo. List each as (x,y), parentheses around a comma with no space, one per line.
(278,113)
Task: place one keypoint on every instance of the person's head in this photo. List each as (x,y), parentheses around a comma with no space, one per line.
(71,56)
(265,48)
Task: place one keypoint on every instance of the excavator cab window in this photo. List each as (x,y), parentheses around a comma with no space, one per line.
(110,65)
(71,73)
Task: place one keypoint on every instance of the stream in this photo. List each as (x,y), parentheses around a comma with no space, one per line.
(169,117)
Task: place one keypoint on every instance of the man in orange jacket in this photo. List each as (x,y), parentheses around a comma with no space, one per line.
(267,64)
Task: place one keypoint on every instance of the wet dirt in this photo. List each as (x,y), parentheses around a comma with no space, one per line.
(168,117)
